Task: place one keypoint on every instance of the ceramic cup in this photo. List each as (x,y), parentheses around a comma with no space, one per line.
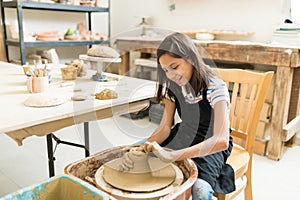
(37,84)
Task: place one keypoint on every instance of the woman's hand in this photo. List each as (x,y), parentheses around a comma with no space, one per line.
(127,163)
(158,151)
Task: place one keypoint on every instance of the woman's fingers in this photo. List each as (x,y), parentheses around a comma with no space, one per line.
(148,147)
(141,148)
(127,163)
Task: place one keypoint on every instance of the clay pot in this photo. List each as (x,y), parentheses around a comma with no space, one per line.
(68,73)
(140,160)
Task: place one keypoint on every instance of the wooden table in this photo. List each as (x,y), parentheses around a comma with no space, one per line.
(285,60)
(20,122)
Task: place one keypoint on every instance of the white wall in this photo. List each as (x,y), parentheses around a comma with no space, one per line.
(258,16)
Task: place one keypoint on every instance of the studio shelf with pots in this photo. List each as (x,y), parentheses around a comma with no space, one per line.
(22,44)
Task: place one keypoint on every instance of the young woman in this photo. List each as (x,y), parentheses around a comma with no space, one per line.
(193,89)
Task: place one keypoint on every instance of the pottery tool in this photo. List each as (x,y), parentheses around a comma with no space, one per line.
(65,84)
(35,68)
(31,73)
(39,72)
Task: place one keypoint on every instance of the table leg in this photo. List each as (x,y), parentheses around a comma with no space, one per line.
(281,102)
(124,68)
(86,139)
(50,155)
(50,147)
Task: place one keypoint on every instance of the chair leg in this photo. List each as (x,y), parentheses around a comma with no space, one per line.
(248,189)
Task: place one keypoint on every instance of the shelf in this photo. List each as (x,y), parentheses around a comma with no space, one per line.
(20,5)
(57,43)
(52,6)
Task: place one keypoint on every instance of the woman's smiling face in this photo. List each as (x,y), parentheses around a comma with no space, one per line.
(176,69)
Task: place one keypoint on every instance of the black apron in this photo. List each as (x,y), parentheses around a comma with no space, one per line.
(196,126)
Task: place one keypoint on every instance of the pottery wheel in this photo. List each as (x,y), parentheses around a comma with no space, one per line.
(142,185)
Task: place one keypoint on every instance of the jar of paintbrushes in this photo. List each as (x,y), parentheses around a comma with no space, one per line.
(38,79)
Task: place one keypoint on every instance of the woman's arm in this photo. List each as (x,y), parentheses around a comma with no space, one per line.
(164,128)
(218,142)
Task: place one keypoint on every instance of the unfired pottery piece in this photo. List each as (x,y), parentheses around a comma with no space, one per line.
(103,51)
(106,94)
(42,100)
(148,173)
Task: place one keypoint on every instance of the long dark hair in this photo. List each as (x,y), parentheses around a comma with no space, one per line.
(179,45)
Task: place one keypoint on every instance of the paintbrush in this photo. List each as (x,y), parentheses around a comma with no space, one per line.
(45,70)
(31,73)
(35,69)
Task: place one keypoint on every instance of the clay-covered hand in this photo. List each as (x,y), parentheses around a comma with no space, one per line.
(158,151)
(127,163)
(146,147)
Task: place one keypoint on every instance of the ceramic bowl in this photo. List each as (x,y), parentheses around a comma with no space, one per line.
(48,36)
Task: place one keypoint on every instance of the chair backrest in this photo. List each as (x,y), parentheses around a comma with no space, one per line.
(248,92)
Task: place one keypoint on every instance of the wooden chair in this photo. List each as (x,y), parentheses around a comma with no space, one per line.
(248,91)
